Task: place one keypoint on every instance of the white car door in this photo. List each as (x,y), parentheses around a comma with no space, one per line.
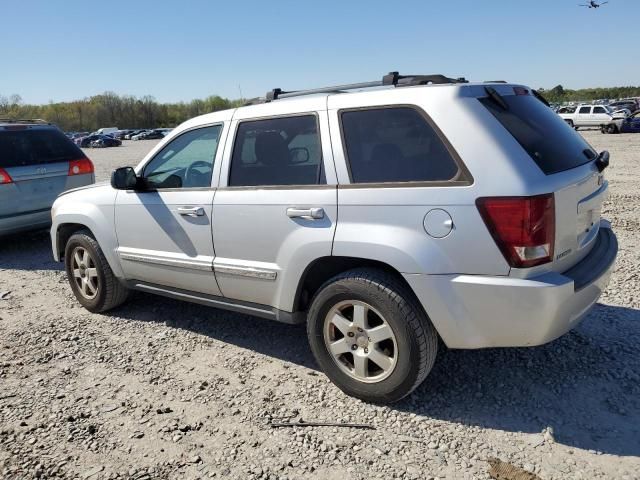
(275,211)
(583,118)
(164,228)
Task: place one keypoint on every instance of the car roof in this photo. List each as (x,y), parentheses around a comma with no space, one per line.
(318,101)
(31,122)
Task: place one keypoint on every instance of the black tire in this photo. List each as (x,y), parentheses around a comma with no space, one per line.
(110,292)
(415,336)
(612,129)
(569,122)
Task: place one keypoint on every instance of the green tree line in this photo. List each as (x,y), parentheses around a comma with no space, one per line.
(112,110)
(559,94)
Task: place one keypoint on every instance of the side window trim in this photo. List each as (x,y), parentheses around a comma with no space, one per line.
(216,160)
(463,178)
(232,145)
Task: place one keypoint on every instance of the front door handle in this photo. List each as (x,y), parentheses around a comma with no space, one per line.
(191,211)
(315,213)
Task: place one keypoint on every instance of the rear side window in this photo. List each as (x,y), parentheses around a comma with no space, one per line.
(549,141)
(36,146)
(394,144)
(277,151)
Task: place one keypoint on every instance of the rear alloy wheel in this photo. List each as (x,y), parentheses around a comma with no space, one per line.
(361,341)
(90,276)
(370,336)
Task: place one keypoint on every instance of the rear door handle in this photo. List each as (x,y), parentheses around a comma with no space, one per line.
(191,211)
(315,213)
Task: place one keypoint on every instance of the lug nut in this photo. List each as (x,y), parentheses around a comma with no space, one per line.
(359,329)
(354,347)
(366,350)
(350,334)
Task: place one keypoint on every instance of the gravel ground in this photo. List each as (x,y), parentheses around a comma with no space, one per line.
(163,389)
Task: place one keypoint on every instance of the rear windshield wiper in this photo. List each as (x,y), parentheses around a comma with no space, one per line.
(496,97)
(540,97)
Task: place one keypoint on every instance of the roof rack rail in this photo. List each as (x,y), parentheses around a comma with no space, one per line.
(24,120)
(391,79)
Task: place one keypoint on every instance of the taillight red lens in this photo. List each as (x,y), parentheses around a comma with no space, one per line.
(80,167)
(522,227)
(5,177)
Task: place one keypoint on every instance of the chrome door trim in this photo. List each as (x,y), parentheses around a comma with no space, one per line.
(241,271)
(193,264)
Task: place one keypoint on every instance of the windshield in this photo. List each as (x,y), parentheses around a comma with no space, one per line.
(549,141)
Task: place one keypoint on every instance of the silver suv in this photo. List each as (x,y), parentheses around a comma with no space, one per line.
(383,217)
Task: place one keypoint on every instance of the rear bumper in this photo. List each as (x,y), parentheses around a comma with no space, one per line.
(25,221)
(472,311)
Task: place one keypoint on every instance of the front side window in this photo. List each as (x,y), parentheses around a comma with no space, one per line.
(585,110)
(186,161)
(277,151)
(394,145)
(599,110)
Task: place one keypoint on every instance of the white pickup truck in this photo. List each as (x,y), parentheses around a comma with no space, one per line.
(591,116)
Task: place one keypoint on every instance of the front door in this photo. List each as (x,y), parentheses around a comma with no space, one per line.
(277,210)
(164,228)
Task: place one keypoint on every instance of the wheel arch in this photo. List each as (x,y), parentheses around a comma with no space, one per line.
(66,225)
(325,268)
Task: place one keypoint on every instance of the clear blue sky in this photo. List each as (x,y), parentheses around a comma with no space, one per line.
(55,50)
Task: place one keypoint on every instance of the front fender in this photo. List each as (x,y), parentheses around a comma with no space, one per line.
(99,219)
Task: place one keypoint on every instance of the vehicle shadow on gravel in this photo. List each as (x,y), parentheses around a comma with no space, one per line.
(585,385)
(27,251)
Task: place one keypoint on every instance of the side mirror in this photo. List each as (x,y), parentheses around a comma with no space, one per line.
(124,179)
(299,155)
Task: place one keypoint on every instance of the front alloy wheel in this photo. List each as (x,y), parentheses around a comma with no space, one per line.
(85,273)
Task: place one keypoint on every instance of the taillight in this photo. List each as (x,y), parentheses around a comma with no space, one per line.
(5,177)
(522,227)
(80,167)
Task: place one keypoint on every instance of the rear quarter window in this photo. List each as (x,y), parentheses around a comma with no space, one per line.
(36,146)
(393,145)
(549,141)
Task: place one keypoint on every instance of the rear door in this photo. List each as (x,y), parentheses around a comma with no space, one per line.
(276,210)
(37,159)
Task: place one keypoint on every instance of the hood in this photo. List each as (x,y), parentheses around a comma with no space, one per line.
(86,187)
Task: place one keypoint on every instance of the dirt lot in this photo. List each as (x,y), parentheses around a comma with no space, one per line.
(162,389)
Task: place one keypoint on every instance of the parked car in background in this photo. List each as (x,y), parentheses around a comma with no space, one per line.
(590,116)
(149,135)
(131,134)
(630,104)
(37,162)
(106,130)
(108,140)
(628,124)
(370,215)
(120,134)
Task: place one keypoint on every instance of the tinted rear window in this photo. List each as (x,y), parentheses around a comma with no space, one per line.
(548,140)
(394,144)
(33,147)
